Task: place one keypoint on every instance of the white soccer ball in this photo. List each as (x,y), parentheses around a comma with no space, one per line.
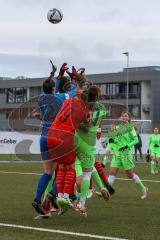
(54,16)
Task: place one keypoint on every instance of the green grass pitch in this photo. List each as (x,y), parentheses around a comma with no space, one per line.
(124,216)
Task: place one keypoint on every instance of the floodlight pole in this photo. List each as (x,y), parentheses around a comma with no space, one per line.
(127,78)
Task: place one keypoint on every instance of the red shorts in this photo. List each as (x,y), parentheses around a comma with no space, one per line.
(61,146)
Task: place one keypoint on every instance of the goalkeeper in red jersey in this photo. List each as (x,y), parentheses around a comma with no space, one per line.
(61,140)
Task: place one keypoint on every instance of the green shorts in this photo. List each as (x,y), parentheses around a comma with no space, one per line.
(100,157)
(155,153)
(123,161)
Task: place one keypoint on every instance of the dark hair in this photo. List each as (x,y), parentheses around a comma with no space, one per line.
(64,85)
(91,95)
(48,85)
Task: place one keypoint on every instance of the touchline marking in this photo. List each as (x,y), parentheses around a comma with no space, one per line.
(60,232)
(21,173)
(39,174)
(144,180)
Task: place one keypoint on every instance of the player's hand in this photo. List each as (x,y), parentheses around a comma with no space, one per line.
(111,140)
(156,145)
(63,69)
(123,148)
(73,74)
(81,71)
(54,68)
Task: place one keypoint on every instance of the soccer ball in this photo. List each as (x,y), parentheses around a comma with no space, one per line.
(54,16)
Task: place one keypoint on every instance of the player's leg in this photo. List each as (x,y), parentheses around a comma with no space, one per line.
(132,175)
(97,180)
(135,153)
(103,177)
(156,161)
(79,178)
(49,168)
(153,164)
(65,185)
(140,152)
(90,192)
(114,168)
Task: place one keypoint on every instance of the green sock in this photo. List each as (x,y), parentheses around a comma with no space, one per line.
(84,188)
(49,187)
(138,182)
(96,179)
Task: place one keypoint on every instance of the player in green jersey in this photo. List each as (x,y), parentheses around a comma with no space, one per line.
(123,139)
(85,143)
(154,148)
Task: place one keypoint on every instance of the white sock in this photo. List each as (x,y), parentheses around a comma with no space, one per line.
(111,179)
(136,179)
(66,195)
(60,195)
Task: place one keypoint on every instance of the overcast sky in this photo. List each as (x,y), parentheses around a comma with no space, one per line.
(93,34)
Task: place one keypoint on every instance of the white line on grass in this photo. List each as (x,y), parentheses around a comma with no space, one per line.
(39,174)
(60,232)
(21,173)
(144,180)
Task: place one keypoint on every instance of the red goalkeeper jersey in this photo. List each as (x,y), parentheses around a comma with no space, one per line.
(73,112)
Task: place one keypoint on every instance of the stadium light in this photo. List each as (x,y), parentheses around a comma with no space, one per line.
(127,78)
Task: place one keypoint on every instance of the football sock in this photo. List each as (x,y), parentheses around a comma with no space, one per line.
(49,187)
(96,178)
(85,184)
(137,180)
(101,172)
(111,179)
(42,184)
(69,181)
(60,180)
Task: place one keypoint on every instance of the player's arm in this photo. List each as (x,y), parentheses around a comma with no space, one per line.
(60,76)
(150,142)
(132,141)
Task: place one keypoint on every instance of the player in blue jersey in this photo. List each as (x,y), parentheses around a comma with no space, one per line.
(49,105)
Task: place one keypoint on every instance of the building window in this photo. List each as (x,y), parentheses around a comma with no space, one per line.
(16,95)
(2,90)
(135,110)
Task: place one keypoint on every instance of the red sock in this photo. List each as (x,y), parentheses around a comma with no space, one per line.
(72,192)
(101,172)
(69,181)
(60,178)
(91,184)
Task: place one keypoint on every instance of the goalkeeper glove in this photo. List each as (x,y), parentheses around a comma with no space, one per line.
(111,140)
(54,68)
(156,145)
(73,74)
(62,70)
(123,148)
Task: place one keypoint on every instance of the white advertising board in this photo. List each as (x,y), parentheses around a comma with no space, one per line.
(21,143)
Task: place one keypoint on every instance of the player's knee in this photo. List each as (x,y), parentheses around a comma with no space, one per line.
(87,176)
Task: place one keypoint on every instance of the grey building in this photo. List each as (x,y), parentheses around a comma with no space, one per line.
(144,91)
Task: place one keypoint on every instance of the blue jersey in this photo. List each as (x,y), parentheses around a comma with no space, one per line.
(50,104)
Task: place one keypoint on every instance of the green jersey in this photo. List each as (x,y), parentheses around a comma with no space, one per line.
(154,142)
(124,135)
(87,140)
